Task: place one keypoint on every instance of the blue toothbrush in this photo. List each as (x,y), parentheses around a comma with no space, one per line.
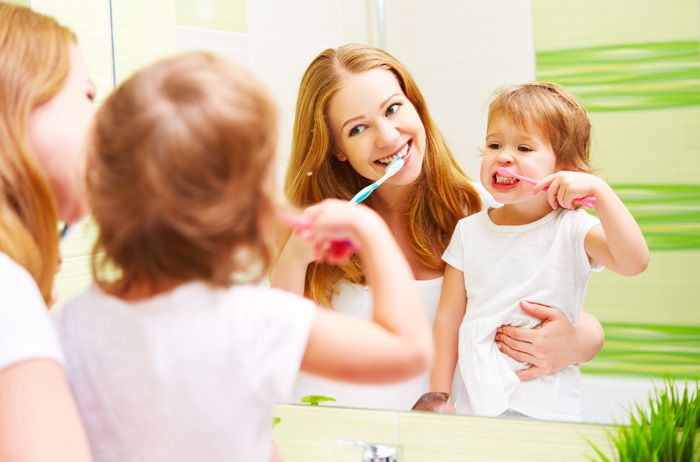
(391,170)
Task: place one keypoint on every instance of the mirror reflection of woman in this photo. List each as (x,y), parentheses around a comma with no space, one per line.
(45,110)
(358,108)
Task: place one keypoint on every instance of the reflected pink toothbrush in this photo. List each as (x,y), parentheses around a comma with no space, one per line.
(587,201)
(300,223)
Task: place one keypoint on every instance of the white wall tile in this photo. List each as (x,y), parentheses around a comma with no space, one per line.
(459,52)
(231,45)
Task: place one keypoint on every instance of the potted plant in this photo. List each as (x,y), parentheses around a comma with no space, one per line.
(665,430)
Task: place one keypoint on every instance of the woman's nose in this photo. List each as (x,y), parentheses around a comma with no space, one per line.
(387,132)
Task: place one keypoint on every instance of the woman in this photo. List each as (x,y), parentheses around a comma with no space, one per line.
(358,109)
(45,111)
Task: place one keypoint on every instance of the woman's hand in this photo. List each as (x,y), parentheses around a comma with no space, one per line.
(553,346)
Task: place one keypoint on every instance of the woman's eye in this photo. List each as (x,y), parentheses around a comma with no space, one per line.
(356,130)
(393,109)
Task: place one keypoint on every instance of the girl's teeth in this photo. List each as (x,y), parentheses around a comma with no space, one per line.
(505,180)
(402,153)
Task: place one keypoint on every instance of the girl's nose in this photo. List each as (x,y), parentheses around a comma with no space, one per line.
(504,157)
(387,133)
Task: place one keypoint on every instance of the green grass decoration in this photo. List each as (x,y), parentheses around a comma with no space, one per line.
(667,431)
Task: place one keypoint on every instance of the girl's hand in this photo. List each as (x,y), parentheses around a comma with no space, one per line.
(550,348)
(336,228)
(565,186)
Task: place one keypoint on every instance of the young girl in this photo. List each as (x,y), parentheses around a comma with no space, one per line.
(537,247)
(358,106)
(171,361)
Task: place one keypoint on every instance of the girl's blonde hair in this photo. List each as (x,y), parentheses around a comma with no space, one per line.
(179,174)
(440,197)
(35,60)
(556,113)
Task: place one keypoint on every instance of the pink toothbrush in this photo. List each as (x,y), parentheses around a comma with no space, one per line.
(300,223)
(587,201)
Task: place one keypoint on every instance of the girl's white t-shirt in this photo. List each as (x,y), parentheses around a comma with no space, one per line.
(25,326)
(189,375)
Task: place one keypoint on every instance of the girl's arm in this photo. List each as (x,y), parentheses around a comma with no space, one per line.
(555,345)
(39,419)
(619,244)
(451,310)
(289,271)
(396,344)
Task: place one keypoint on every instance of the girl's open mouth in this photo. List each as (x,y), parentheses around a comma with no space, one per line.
(401,154)
(504,182)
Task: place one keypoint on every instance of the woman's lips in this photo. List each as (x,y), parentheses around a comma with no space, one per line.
(403,153)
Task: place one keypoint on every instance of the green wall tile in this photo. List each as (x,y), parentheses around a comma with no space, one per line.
(562,25)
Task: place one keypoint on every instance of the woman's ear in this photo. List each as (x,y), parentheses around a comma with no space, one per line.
(340,156)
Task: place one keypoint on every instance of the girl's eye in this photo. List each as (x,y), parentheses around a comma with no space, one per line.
(356,130)
(494,146)
(524,149)
(393,109)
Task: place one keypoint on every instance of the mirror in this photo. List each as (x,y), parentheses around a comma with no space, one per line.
(634,64)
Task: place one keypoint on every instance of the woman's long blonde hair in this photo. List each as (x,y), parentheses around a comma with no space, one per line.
(35,59)
(440,197)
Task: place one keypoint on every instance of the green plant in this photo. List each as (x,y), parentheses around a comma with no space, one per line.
(665,431)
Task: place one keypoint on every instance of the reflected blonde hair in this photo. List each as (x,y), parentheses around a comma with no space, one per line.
(555,113)
(35,60)
(440,197)
(179,174)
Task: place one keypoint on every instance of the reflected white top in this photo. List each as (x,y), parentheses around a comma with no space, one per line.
(356,300)
(543,262)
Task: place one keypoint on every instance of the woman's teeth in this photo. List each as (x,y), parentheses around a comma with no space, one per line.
(505,179)
(390,159)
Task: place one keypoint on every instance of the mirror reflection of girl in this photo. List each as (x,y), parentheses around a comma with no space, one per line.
(46,106)
(537,246)
(358,107)
(173,361)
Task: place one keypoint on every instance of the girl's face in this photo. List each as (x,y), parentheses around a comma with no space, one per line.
(57,131)
(373,123)
(528,153)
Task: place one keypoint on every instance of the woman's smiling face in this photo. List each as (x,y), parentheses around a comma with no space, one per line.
(373,122)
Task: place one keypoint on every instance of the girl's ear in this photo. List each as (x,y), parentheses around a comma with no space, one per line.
(340,156)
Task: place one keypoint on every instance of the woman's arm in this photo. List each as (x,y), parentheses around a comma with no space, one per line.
(555,345)
(396,344)
(39,420)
